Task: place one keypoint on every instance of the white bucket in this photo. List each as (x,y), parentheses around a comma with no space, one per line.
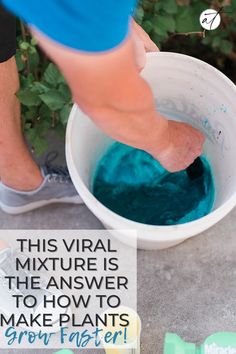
(184,88)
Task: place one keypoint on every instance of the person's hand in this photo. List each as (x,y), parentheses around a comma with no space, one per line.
(142,44)
(183,145)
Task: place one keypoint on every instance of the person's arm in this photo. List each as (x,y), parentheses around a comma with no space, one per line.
(106,84)
(142,45)
(108,87)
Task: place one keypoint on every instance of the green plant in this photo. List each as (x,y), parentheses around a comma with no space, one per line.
(167,18)
(173,25)
(44,95)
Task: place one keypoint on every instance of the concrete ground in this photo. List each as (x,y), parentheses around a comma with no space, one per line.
(189,289)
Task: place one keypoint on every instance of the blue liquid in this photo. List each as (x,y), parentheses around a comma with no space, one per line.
(134,185)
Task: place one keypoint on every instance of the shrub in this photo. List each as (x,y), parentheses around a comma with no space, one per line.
(44,95)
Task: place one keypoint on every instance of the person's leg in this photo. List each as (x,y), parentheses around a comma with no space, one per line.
(23,185)
(17,168)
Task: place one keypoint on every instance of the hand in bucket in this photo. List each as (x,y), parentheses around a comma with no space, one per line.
(184,145)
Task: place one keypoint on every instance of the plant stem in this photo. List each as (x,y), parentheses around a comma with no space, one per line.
(23,31)
(24,36)
(201,33)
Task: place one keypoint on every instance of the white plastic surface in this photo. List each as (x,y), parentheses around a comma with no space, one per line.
(186,89)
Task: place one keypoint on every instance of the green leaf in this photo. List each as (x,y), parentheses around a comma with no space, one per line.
(45,112)
(170,7)
(33,61)
(39,87)
(37,139)
(139,14)
(157,6)
(147,26)
(64,114)
(226,46)
(27,126)
(33,41)
(187,20)
(31,113)
(157,39)
(52,75)
(65,91)
(161,31)
(19,62)
(32,50)
(24,45)
(26,81)
(28,98)
(40,145)
(170,23)
(53,99)
(42,127)
(166,23)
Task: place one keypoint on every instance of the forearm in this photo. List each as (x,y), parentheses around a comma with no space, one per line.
(110,90)
(129,116)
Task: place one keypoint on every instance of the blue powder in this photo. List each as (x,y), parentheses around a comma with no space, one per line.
(134,185)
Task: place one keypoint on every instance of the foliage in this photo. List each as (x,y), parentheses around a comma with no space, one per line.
(217,47)
(173,25)
(44,95)
(165,18)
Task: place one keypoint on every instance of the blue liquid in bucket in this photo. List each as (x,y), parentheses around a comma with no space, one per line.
(134,185)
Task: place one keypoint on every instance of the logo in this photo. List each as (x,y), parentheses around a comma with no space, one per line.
(215,349)
(210,19)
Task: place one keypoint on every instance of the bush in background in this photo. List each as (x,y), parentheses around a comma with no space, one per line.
(173,25)
(45,97)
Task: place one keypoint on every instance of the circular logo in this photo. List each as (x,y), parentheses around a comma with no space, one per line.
(210,19)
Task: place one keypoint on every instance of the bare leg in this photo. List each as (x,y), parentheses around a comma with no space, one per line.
(17,168)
